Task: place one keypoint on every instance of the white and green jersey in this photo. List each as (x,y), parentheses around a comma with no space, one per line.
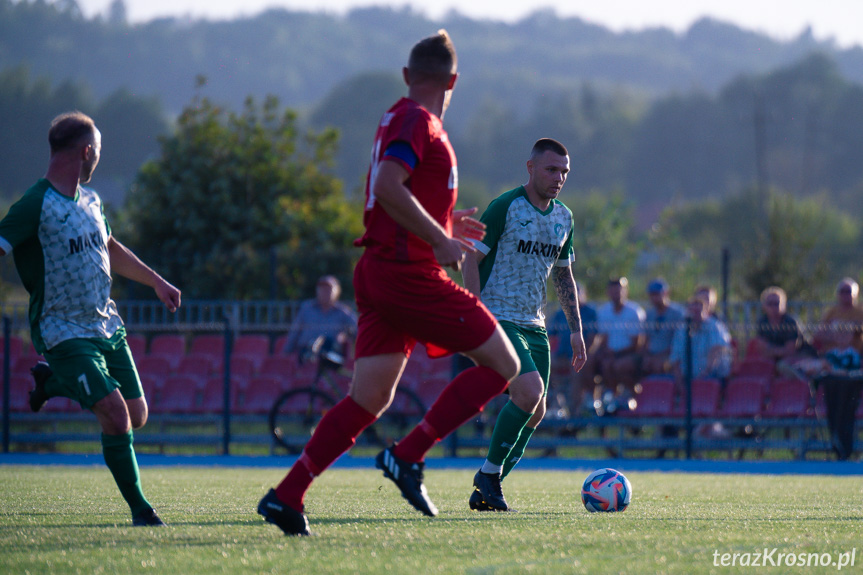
(521,245)
(60,246)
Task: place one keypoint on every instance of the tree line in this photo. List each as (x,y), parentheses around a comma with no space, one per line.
(256,199)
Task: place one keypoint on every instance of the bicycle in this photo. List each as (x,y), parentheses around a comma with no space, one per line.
(296,413)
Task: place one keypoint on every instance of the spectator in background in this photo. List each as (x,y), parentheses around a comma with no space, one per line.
(779,335)
(578,385)
(619,326)
(663,317)
(708,294)
(324,316)
(711,353)
(842,325)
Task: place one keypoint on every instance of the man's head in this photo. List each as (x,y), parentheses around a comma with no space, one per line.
(708,294)
(547,169)
(328,291)
(657,291)
(433,59)
(617,290)
(76,134)
(847,292)
(773,301)
(696,308)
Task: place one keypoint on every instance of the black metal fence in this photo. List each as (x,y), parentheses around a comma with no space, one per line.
(676,433)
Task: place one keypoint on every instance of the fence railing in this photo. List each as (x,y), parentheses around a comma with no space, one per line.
(275,317)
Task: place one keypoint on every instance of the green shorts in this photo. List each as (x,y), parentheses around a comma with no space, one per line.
(88,369)
(532,348)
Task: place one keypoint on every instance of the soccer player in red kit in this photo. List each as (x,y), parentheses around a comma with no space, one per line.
(404,296)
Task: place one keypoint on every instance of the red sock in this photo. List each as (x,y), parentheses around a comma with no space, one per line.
(461,400)
(336,433)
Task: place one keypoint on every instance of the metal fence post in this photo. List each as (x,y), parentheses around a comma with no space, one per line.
(226,413)
(687,380)
(7,330)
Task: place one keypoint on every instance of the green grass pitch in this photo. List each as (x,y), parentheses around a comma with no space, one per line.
(72,520)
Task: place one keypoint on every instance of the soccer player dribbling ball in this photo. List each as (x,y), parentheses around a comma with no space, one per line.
(65,252)
(404,296)
(529,239)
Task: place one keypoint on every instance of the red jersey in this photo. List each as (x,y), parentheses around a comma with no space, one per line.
(433,181)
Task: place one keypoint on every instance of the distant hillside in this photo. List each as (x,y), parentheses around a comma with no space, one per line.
(301,56)
(658,116)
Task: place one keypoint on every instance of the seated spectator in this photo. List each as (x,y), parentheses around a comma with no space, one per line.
(711,353)
(779,336)
(663,317)
(842,325)
(579,386)
(708,293)
(620,335)
(322,316)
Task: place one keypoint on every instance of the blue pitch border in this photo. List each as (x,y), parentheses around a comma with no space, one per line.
(347,462)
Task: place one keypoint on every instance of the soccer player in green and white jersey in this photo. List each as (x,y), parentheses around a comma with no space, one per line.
(64,252)
(528,238)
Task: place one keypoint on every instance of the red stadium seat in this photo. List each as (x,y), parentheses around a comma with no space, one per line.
(656,398)
(180,394)
(137,345)
(154,365)
(260,394)
(743,398)
(244,366)
(279,345)
(210,344)
(169,343)
(756,366)
(279,365)
(705,398)
(252,345)
(200,364)
(61,405)
(213,394)
(16,349)
(19,392)
(788,398)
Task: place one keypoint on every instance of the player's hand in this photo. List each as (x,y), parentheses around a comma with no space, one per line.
(168,295)
(579,353)
(450,252)
(466,227)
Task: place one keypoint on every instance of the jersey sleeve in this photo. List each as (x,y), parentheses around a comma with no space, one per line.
(567,254)
(494,218)
(413,132)
(22,221)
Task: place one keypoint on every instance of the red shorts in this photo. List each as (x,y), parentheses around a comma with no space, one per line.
(404,303)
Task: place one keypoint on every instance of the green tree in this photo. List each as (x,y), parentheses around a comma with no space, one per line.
(603,239)
(801,245)
(232,192)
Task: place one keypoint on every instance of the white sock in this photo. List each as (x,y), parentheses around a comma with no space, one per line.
(489,467)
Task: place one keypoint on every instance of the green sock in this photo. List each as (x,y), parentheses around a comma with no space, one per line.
(515,455)
(510,421)
(120,459)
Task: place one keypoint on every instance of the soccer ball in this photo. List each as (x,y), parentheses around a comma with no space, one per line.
(606,490)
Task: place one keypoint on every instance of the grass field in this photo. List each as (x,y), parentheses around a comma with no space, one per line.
(72,520)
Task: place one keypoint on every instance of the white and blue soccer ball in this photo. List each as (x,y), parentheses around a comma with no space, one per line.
(606,490)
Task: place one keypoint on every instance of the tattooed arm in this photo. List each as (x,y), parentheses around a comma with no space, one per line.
(564,285)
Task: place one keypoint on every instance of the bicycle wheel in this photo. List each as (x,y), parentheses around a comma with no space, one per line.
(406,410)
(295,415)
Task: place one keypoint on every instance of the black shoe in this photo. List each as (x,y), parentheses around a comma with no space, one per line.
(147,517)
(285,517)
(40,372)
(488,486)
(477,504)
(409,478)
